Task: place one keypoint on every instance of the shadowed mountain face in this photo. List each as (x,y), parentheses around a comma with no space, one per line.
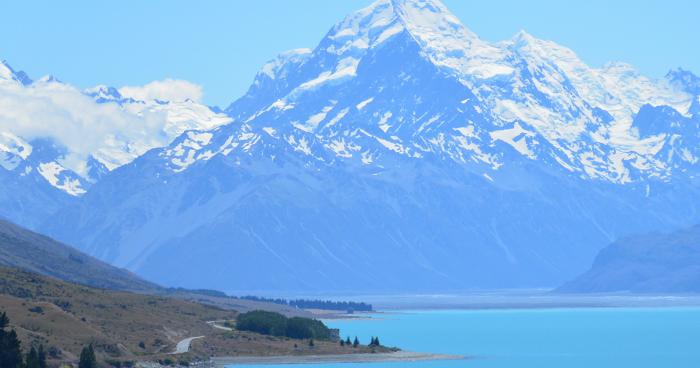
(404,153)
(652,263)
(23,249)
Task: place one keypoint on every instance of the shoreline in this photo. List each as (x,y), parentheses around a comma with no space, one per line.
(398,356)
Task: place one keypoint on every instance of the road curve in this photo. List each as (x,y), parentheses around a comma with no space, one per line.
(184,345)
(214,324)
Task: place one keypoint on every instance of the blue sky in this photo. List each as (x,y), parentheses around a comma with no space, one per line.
(220,45)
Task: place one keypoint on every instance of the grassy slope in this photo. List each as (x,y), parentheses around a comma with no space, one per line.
(24,249)
(72,316)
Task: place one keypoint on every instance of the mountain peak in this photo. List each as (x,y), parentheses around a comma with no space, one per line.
(49,79)
(427,14)
(441,36)
(7,73)
(432,21)
(522,38)
(427,20)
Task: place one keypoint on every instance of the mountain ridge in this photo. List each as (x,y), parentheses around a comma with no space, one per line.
(644,263)
(98,104)
(475,164)
(32,252)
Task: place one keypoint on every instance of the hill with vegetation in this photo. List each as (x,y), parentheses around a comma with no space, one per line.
(276,324)
(126,327)
(24,249)
(30,251)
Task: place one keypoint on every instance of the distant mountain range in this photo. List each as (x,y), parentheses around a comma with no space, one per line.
(402,153)
(40,173)
(651,263)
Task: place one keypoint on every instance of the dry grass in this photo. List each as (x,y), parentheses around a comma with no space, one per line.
(128,327)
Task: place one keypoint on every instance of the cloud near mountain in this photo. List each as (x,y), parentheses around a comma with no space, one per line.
(165,90)
(49,109)
(103,125)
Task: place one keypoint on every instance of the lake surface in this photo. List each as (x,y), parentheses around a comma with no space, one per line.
(540,338)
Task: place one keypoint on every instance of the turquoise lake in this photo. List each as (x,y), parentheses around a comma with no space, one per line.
(561,338)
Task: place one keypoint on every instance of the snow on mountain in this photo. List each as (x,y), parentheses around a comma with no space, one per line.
(9,75)
(403,152)
(98,129)
(580,117)
(685,80)
(13,150)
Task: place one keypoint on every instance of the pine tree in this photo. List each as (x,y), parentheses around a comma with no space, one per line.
(10,347)
(356,342)
(4,321)
(87,358)
(32,360)
(42,357)
(347,341)
(342,342)
(376,341)
(311,343)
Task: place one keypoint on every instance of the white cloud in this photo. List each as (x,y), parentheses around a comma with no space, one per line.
(167,90)
(63,113)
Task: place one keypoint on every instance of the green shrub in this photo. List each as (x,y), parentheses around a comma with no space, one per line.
(262,322)
(87,358)
(306,328)
(275,324)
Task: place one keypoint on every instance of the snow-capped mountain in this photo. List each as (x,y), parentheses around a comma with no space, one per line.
(404,150)
(69,139)
(179,116)
(162,121)
(9,75)
(539,98)
(57,141)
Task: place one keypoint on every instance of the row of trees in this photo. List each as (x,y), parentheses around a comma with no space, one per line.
(11,351)
(374,342)
(347,342)
(315,304)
